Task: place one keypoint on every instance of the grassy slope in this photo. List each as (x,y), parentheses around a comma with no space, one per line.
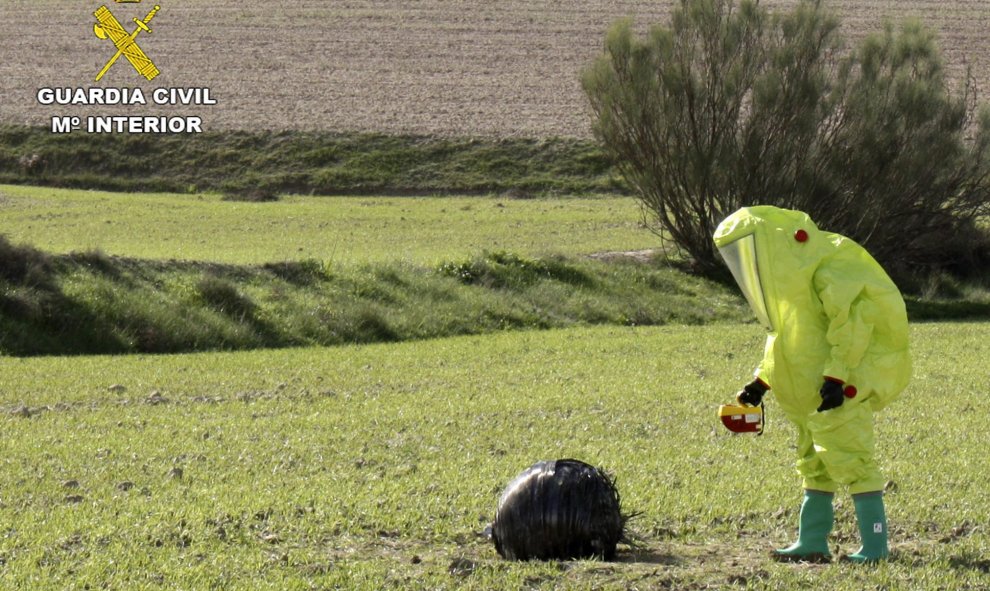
(91,303)
(415,273)
(377,466)
(302,162)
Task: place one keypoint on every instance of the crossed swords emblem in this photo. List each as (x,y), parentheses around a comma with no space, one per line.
(108,27)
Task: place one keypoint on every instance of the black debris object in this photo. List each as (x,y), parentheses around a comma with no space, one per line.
(559,510)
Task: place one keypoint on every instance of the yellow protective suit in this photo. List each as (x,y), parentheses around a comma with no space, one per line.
(831,311)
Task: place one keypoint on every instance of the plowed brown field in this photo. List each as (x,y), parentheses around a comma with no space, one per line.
(506,68)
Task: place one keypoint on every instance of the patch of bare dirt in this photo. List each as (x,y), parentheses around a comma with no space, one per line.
(635,256)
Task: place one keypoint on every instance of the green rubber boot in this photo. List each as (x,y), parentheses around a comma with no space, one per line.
(815,524)
(872,528)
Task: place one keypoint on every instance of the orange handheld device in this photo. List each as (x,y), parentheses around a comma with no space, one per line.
(742,419)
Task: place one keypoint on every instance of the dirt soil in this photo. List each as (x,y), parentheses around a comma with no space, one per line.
(452,67)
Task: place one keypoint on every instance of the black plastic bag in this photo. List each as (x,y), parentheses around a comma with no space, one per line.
(559,510)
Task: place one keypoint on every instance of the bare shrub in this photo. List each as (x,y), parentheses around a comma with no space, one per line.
(731,105)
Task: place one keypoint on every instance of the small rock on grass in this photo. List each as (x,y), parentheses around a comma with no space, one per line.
(156,398)
(462,567)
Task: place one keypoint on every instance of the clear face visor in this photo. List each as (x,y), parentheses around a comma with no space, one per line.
(740,256)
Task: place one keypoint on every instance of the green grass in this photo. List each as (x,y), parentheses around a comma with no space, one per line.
(332,229)
(330,271)
(93,303)
(303,162)
(377,466)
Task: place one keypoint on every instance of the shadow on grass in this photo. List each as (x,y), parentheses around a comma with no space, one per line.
(38,318)
(46,322)
(970,563)
(936,310)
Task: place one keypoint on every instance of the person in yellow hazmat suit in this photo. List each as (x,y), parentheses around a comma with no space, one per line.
(836,352)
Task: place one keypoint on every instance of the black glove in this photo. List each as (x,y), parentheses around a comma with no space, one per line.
(832,395)
(752,393)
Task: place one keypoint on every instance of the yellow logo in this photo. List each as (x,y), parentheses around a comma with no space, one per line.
(108,27)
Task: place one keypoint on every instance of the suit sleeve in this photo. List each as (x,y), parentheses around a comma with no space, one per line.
(842,287)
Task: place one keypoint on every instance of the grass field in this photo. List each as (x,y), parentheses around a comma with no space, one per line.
(322,271)
(379,466)
(337,230)
(169,273)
